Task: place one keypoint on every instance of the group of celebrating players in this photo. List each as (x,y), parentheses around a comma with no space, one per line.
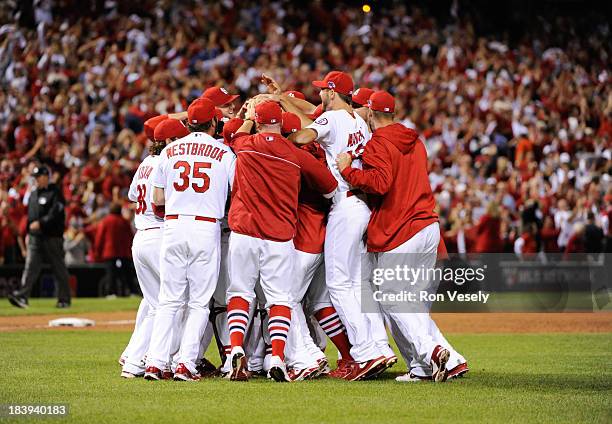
(258,228)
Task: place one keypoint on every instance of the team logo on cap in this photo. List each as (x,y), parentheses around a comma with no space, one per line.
(273,121)
(331,84)
(291,95)
(357,91)
(224,90)
(369,103)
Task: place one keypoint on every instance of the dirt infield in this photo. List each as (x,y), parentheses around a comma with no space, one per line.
(448,323)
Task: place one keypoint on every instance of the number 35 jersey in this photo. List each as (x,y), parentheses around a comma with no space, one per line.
(141,193)
(195,172)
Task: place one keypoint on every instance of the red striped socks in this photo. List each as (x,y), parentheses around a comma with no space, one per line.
(278,327)
(237,320)
(330,323)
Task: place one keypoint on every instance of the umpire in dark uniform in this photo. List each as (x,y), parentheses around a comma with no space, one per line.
(46,220)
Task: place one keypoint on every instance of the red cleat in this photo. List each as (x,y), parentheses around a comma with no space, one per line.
(363,370)
(341,370)
(183,374)
(439,358)
(153,374)
(458,371)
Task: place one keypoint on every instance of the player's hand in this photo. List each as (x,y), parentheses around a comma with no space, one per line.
(35,226)
(250,111)
(343,160)
(273,86)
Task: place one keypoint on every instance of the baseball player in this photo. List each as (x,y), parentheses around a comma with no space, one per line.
(143,307)
(222,100)
(403,220)
(359,101)
(305,359)
(340,130)
(263,217)
(145,248)
(191,181)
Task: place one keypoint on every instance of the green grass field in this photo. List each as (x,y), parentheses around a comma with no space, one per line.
(513,378)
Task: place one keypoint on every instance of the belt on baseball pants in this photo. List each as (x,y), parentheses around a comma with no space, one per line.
(196,217)
(346,194)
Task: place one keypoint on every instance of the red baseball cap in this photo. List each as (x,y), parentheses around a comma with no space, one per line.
(170,128)
(340,82)
(361,96)
(382,101)
(291,123)
(296,94)
(268,113)
(230,128)
(200,111)
(219,96)
(151,123)
(317,112)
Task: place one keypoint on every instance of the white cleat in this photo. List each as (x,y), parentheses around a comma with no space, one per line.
(439,359)
(278,370)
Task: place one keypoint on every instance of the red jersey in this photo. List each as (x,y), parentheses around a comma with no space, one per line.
(113,238)
(312,211)
(395,169)
(488,239)
(269,171)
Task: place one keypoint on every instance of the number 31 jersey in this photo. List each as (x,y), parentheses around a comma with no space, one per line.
(141,192)
(195,172)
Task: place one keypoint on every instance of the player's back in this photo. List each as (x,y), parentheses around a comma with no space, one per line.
(339,132)
(194,172)
(266,187)
(141,192)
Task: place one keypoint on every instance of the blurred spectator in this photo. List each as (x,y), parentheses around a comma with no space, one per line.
(75,244)
(593,235)
(520,117)
(488,231)
(113,247)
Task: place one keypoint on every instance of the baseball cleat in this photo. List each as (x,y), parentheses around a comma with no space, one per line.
(153,374)
(182,373)
(126,374)
(341,371)
(458,371)
(439,358)
(411,378)
(206,369)
(167,374)
(278,370)
(388,363)
(121,361)
(297,374)
(365,369)
(239,365)
(18,301)
(324,368)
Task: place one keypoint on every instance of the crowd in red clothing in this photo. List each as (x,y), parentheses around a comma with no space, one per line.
(517,129)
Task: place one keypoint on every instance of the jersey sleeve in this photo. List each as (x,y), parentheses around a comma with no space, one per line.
(377,173)
(324,125)
(132,194)
(231,169)
(316,175)
(159,174)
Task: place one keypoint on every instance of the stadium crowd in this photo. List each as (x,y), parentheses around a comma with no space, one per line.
(518,131)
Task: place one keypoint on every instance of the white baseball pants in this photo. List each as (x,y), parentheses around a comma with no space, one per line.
(190,261)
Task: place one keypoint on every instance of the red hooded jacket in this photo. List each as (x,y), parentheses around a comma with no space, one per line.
(395,170)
